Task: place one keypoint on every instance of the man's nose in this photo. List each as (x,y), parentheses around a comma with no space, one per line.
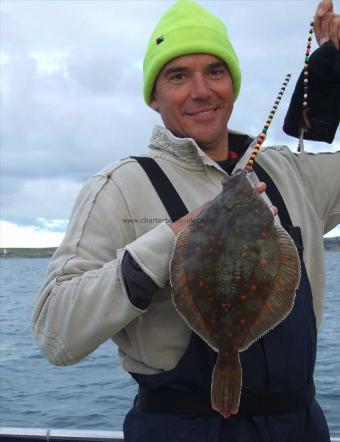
(200,88)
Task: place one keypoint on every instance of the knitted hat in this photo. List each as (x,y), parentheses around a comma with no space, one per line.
(187,28)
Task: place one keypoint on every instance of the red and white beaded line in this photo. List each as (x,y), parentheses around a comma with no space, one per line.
(305,108)
(263,134)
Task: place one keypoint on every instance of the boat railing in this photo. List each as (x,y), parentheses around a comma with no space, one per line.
(11,434)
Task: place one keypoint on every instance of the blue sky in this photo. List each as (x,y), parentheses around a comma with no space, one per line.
(71,94)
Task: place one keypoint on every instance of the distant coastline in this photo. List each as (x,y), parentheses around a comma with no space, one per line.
(332,243)
(8,252)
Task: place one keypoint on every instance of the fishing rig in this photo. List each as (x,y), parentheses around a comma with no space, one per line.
(256,145)
(250,156)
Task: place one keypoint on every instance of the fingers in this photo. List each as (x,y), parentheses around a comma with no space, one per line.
(261,187)
(327,24)
(325,27)
(323,7)
(179,225)
(334,31)
(328,28)
(274,210)
(321,28)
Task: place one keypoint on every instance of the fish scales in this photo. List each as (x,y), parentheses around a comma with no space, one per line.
(233,274)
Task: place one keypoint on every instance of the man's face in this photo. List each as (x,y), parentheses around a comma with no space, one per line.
(194,95)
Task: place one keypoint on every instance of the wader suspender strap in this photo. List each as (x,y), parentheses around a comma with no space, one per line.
(273,194)
(276,198)
(182,403)
(163,186)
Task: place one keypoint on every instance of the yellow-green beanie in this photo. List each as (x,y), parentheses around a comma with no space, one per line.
(187,28)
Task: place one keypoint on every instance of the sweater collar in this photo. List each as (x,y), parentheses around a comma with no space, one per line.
(188,150)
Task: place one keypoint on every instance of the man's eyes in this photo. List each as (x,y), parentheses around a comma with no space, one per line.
(217,72)
(181,76)
(177,76)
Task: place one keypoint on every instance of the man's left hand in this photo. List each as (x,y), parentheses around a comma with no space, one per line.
(327,24)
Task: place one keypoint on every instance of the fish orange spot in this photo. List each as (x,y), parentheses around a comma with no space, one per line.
(264,234)
(186,290)
(201,284)
(243,297)
(264,262)
(194,307)
(244,253)
(211,238)
(253,287)
(242,321)
(226,354)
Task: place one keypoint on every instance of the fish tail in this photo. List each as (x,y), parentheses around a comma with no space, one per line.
(226,384)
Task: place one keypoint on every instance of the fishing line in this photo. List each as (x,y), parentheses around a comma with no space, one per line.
(260,139)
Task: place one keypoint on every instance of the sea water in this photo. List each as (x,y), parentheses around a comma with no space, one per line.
(96,393)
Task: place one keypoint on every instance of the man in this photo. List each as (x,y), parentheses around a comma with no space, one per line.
(110,278)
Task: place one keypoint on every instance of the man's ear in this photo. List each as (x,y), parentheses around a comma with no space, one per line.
(154,102)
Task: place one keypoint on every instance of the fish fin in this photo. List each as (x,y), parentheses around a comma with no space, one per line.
(176,262)
(177,274)
(226,384)
(281,300)
(195,321)
(182,301)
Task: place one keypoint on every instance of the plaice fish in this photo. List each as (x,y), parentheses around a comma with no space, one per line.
(234,275)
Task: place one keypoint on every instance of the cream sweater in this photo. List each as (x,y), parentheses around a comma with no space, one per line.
(84,301)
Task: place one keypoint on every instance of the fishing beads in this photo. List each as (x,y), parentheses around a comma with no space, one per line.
(305,124)
(263,134)
(306,65)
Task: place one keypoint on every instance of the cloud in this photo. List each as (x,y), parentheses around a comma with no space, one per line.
(12,235)
(29,201)
(71,89)
(334,232)
(53,225)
